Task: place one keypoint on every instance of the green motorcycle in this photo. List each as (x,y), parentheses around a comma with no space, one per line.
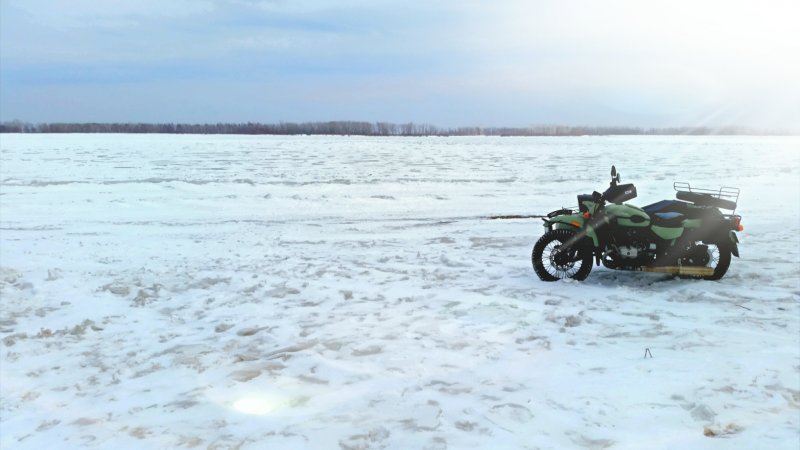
(685,237)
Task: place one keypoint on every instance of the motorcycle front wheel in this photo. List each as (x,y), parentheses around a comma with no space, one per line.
(554,260)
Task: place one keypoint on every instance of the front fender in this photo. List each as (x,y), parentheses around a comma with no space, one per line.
(566,222)
(574,222)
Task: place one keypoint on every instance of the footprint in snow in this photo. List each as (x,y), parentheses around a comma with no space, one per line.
(509,416)
(366,351)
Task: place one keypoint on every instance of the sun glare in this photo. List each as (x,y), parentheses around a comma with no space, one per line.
(254,405)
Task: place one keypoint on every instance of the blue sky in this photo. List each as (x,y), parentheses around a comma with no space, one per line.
(449,63)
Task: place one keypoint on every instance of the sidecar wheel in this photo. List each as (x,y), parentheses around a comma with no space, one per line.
(552,265)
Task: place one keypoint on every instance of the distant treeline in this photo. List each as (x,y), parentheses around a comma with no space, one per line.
(368,129)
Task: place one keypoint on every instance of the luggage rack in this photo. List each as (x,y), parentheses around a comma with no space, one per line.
(725,197)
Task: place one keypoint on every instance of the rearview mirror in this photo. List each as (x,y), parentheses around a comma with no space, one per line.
(613,171)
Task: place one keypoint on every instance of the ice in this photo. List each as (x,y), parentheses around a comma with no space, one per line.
(164,291)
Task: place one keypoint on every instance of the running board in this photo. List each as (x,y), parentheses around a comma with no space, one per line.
(681,270)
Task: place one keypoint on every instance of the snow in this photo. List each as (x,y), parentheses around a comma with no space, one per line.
(351,292)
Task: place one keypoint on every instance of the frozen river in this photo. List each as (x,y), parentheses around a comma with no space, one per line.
(251,292)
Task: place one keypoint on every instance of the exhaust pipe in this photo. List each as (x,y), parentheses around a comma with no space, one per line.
(680,270)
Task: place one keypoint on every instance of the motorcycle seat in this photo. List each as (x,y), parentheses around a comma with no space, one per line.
(667,219)
(664,206)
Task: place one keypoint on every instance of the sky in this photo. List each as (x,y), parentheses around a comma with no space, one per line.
(447,62)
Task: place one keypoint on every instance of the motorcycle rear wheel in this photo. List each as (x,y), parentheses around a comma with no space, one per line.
(720,260)
(552,265)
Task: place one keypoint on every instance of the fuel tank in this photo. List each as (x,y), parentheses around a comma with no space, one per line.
(628,215)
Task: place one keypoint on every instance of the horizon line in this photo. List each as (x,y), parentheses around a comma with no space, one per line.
(379,128)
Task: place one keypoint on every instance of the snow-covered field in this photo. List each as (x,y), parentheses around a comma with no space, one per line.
(229,292)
